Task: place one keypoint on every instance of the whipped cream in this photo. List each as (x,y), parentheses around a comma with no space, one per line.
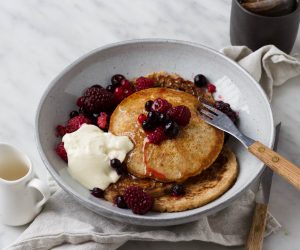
(90,150)
(228,92)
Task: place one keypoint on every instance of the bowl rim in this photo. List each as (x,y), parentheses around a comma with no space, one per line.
(145,220)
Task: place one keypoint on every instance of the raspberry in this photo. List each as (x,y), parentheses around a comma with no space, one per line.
(180,114)
(211,88)
(157,136)
(102,120)
(61,151)
(139,201)
(141,118)
(60,130)
(76,122)
(226,109)
(161,105)
(143,83)
(97,99)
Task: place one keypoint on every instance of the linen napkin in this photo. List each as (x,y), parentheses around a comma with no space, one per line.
(65,224)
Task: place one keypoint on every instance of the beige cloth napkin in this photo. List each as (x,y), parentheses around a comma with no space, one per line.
(65,224)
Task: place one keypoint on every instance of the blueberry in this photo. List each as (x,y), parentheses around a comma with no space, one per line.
(148,125)
(200,81)
(171,129)
(115,163)
(148,105)
(73,114)
(121,170)
(97,192)
(97,86)
(81,111)
(152,117)
(177,190)
(116,80)
(120,202)
(110,88)
(163,118)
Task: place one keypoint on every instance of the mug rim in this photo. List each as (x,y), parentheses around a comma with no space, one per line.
(266,17)
(25,158)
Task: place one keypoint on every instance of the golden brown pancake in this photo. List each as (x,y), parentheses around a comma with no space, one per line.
(200,189)
(194,149)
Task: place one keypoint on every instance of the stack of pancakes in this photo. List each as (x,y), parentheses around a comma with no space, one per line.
(196,158)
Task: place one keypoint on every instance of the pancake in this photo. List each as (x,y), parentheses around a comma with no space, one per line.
(194,149)
(200,190)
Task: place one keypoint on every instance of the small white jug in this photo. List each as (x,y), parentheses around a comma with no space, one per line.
(19,199)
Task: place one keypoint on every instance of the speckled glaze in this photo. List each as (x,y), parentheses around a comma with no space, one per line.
(138,57)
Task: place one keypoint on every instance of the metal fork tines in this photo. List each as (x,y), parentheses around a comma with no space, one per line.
(218,119)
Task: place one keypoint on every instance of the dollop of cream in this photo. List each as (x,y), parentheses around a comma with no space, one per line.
(228,92)
(90,150)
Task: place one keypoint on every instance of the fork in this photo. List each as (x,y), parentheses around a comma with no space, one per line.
(273,160)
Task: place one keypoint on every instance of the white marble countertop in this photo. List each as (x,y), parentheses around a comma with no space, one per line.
(41,37)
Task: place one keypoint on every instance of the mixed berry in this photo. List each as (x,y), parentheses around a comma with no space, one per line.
(162,120)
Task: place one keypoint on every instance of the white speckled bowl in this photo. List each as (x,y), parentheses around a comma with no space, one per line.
(135,58)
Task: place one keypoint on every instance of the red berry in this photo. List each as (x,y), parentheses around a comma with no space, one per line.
(128,92)
(98,99)
(80,101)
(119,93)
(161,105)
(139,201)
(126,84)
(76,122)
(180,114)
(143,83)
(61,151)
(60,130)
(157,136)
(211,88)
(141,118)
(102,120)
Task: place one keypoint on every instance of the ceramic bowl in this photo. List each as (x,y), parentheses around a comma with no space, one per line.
(135,58)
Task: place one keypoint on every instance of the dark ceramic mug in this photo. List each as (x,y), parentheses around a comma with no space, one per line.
(255,31)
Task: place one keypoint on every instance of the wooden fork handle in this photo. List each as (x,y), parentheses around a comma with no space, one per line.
(257,230)
(277,163)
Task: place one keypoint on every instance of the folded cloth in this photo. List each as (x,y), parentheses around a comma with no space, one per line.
(65,224)
(268,65)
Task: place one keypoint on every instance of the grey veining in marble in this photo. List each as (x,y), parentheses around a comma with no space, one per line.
(41,37)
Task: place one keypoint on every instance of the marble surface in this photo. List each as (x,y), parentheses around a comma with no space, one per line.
(41,37)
